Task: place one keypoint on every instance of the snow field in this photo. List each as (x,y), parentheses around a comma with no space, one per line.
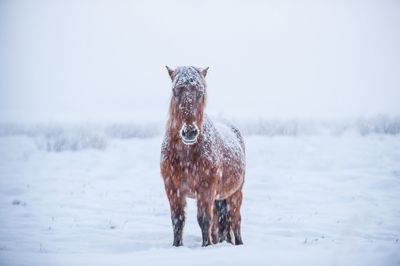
(309,200)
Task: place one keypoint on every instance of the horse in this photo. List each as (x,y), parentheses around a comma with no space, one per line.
(201,159)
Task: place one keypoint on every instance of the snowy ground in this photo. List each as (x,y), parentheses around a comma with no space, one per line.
(308,200)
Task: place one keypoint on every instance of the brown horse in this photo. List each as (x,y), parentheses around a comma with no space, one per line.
(201,159)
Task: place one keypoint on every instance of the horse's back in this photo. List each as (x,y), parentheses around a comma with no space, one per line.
(238,135)
(230,140)
(229,133)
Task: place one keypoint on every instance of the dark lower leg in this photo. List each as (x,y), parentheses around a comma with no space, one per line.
(204,217)
(204,223)
(215,227)
(222,211)
(237,232)
(178,223)
(177,204)
(234,219)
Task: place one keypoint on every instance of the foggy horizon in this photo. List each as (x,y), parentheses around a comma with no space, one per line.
(103,60)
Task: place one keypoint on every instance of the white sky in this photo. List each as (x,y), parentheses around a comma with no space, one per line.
(104,60)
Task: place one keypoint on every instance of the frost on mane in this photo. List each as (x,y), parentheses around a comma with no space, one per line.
(188,75)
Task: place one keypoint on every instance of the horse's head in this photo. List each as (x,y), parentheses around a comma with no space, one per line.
(188,101)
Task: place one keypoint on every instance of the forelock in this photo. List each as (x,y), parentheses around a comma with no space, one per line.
(188,76)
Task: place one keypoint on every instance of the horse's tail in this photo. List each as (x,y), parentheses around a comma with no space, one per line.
(222,211)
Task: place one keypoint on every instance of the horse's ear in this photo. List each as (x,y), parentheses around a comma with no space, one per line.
(170,72)
(204,71)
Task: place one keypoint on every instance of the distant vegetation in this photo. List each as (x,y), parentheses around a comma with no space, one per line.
(59,137)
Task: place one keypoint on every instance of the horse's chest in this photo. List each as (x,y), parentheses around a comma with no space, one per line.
(188,175)
(188,167)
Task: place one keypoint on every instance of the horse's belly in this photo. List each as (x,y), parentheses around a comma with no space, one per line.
(191,195)
(229,185)
(232,177)
(188,189)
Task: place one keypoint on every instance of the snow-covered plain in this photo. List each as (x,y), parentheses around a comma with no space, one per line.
(316,193)
(95,197)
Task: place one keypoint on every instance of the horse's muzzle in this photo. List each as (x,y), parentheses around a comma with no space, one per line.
(189,134)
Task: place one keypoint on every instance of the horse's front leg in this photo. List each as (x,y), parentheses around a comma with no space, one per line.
(205,209)
(177,204)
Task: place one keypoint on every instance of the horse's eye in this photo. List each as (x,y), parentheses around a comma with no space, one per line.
(175,93)
(199,94)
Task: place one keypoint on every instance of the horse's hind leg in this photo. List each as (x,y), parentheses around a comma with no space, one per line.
(234,203)
(215,226)
(220,219)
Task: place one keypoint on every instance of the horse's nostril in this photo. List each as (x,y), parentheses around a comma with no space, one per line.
(184,133)
(192,134)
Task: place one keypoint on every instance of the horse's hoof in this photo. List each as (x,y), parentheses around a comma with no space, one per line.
(238,240)
(206,243)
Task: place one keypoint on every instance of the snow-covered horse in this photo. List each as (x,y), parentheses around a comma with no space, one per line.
(201,159)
